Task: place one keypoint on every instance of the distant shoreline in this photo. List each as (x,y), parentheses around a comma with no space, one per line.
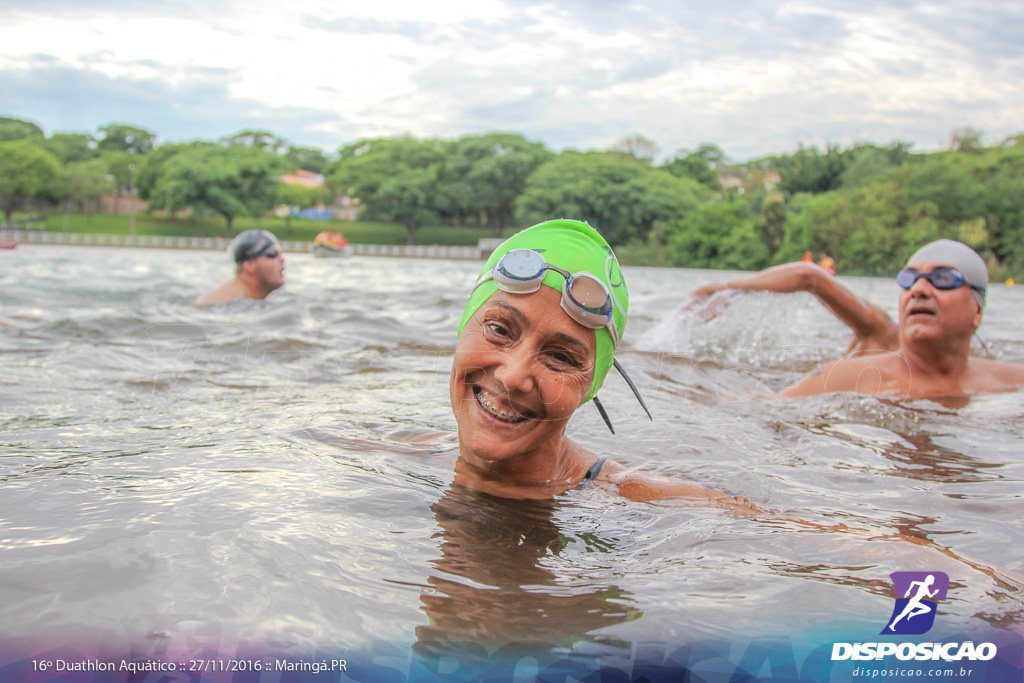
(41,237)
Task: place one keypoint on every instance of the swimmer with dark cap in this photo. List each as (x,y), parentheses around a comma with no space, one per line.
(259,269)
(925,355)
(536,341)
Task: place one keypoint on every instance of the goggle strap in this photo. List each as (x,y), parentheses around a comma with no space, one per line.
(622,371)
(613,333)
(604,414)
(983,345)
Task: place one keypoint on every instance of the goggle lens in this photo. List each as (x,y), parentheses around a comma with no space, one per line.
(522,264)
(590,294)
(941,278)
(273,252)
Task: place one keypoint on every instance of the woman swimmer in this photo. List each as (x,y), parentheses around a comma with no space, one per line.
(529,355)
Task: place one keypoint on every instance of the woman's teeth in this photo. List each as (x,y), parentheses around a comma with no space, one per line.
(494,410)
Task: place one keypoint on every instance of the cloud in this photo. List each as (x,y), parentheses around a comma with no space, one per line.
(756,78)
(199,106)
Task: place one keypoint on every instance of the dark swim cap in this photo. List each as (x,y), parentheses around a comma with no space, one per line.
(573,246)
(250,244)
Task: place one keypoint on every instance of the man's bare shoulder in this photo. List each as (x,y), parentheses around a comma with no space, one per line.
(869,374)
(992,375)
(227,291)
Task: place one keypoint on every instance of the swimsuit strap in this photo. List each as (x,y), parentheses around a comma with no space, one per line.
(591,476)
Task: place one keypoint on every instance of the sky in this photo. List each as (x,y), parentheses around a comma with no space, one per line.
(754,77)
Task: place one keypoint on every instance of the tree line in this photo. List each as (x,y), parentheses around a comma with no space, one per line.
(867,206)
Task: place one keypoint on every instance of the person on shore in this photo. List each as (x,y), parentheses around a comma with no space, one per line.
(536,341)
(259,269)
(927,355)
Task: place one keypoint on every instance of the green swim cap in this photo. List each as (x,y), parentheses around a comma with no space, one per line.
(573,246)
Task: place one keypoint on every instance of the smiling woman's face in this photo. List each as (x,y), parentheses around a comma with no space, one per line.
(521,368)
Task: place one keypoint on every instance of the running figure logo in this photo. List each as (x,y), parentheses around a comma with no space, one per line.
(917,598)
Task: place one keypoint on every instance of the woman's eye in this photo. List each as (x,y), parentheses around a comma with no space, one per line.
(566,358)
(498,329)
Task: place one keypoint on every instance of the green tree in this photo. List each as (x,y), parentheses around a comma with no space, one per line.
(662,197)
(84,182)
(260,139)
(867,164)
(771,229)
(711,154)
(719,234)
(620,196)
(696,167)
(966,139)
(17,129)
(949,185)
(121,167)
(484,175)
(1003,205)
(230,181)
(120,137)
(811,171)
(869,230)
(306,159)
(27,172)
(71,147)
(637,147)
(396,179)
(151,166)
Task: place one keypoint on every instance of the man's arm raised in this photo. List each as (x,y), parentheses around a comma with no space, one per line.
(873,329)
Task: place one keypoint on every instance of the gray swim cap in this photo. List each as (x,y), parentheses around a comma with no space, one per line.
(250,244)
(959,256)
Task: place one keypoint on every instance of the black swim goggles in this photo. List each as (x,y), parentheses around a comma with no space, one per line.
(270,252)
(255,246)
(941,278)
(584,297)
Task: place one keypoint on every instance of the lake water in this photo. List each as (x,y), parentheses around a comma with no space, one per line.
(272,480)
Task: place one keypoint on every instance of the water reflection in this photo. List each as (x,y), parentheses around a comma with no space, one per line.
(327,537)
(497,583)
(914,455)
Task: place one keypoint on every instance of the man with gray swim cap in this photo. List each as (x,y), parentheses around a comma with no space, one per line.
(941,304)
(927,355)
(259,269)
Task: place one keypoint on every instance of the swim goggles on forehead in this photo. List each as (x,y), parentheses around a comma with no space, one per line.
(941,278)
(584,297)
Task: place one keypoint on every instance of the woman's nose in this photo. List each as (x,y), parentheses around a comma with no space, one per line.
(516,370)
